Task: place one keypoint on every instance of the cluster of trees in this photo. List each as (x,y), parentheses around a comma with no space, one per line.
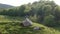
(45,12)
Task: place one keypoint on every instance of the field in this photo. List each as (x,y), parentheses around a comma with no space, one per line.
(11,25)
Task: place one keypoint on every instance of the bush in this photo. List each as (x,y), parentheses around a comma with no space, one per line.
(49,20)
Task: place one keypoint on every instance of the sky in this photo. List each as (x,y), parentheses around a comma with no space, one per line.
(20,2)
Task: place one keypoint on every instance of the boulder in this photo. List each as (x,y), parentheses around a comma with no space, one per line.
(27,22)
(36,28)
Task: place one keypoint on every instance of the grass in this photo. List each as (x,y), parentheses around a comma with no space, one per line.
(7,19)
(14,27)
(17,29)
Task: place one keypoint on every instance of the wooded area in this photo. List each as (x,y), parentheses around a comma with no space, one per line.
(44,12)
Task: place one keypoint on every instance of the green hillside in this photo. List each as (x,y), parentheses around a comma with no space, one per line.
(4,18)
(9,26)
(4,6)
(44,14)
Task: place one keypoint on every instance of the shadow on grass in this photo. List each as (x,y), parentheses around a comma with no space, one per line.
(57,28)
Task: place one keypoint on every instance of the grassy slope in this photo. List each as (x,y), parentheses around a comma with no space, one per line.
(16,28)
(5,19)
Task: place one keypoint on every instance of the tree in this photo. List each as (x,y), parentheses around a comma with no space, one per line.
(21,10)
(49,20)
(57,12)
(47,10)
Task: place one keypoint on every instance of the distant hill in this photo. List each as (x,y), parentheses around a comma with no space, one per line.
(5,6)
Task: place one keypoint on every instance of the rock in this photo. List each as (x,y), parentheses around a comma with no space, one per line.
(36,28)
(27,22)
